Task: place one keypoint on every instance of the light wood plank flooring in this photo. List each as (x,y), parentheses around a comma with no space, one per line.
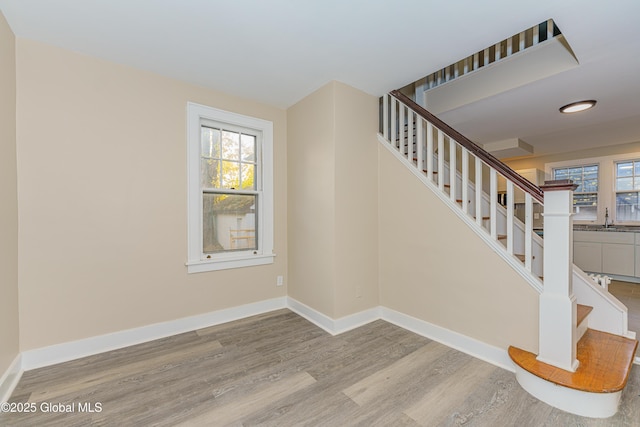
(629,295)
(278,369)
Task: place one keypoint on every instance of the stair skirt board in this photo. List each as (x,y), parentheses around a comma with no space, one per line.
(585,404)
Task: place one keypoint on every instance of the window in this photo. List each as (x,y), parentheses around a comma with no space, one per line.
(230,206)
(585,197)
(627,189)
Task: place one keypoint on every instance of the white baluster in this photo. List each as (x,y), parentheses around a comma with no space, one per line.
(478,185)
(528,231)
(429,166)
(385,116)
(403,130)
(536,35)
(394,121)
(420,142)
(440,160)
(493,213)
(510,215)
(410,144)
(465,179)
(476,61)
(509,46)
(522,38)
(452,170)
(498,51)
(549,29)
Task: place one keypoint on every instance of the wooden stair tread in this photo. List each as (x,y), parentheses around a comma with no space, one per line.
(502,236)
(583,312)
(605,362)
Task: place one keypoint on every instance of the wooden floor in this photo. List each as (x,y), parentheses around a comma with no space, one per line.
(629,295)
(277,369)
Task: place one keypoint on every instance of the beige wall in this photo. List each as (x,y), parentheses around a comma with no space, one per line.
(9,343)
(435,268)
(102,185)
(332,200)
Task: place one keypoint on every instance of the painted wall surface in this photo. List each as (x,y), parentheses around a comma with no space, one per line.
(311,171)
(356,195)
(9,326)
(102,184)
(435,268)
(333,200)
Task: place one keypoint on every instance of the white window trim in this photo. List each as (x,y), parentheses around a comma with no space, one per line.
(196,262)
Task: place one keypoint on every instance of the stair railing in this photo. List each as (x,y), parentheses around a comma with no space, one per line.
(456,165)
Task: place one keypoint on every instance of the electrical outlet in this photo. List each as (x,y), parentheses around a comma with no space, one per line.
(279,281)
(536,215)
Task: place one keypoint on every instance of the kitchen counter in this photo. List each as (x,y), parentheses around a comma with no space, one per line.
(613,228)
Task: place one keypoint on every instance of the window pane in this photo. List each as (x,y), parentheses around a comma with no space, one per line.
(248,173)
(624,169)
(627,207)
(636,168)
(585,206)
(210,146)
(229,222)
(624,184)
(561,174)
(209,173)
(230,175)
(230,145)
(248,148)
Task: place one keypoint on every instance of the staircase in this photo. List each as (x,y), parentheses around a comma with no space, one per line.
(585,348)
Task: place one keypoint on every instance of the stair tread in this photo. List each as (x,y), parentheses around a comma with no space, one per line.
(583,312)
(605,362)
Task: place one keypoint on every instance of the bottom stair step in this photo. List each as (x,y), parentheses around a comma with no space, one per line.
(605,363)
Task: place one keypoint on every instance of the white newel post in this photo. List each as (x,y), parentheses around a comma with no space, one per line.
(557,335)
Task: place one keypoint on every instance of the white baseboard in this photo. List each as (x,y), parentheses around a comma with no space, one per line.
(478,349)
(46,356)
(9,380)
(483,351)
(333,326)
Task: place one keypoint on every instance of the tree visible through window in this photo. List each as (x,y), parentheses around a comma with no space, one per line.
(229,196)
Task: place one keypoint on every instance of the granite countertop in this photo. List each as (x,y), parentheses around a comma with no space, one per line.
(612,228)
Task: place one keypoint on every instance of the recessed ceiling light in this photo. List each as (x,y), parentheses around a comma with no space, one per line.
(574,107)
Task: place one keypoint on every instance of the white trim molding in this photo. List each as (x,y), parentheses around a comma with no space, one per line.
(478,349)
(9,380)
(333,326)
(46,356)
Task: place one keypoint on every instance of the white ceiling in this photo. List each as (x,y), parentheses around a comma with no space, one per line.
(279,51)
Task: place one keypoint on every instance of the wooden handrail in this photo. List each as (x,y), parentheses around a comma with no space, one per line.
(478,151)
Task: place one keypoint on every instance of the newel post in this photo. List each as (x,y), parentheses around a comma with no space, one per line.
(557,334)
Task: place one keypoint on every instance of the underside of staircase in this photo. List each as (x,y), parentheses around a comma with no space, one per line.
(604,349)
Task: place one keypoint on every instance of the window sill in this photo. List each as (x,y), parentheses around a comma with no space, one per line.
(200,266)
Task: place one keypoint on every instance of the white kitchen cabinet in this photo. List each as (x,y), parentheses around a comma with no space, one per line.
(618,259)
(588,256)
(608,252)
